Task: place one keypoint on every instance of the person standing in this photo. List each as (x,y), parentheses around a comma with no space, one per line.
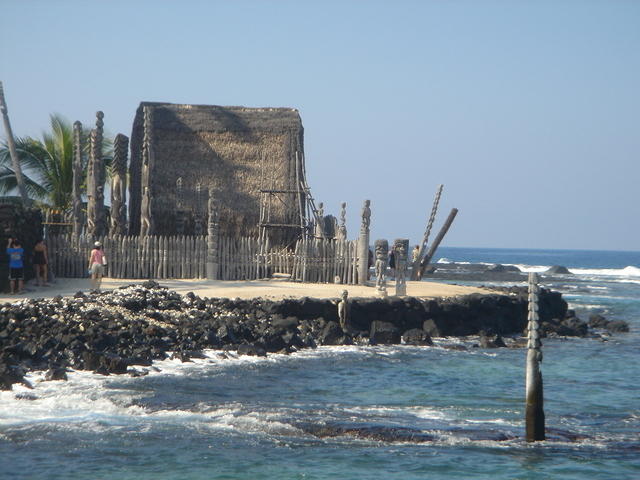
(416,253)
(40,261)
(97,261)
(16,265)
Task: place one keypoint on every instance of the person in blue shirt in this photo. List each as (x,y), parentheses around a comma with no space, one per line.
(16,265)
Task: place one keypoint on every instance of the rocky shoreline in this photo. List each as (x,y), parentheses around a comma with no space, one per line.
(113,332)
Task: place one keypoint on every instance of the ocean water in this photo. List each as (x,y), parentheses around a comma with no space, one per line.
(249,418)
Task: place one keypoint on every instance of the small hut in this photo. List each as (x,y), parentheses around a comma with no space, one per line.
(245,154)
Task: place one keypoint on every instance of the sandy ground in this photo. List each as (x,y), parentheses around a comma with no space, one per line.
(272,289)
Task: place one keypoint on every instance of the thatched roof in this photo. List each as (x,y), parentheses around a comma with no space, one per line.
(238,150)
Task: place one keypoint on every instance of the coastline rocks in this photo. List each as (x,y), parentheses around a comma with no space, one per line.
(112,332)
(499,268)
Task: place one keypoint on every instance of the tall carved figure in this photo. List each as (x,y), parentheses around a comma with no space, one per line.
(363,244)
(534,392)
(342,227)
(343,311)
(77,179)
(319,230)
(212,237)
(119,185)
(13,152)
(146,215)
(95,182)
(400,249)
(382,257)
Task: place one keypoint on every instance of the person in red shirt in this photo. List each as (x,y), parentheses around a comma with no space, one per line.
(97,261)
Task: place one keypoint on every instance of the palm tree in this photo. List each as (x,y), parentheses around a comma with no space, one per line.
(47,164)
(15,161)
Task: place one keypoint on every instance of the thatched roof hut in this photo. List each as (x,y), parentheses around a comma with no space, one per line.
(239,151)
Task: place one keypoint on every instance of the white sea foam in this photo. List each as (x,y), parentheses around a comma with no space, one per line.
(531,268)
(629,271)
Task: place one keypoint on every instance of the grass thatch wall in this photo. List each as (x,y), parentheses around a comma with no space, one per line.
(238,150)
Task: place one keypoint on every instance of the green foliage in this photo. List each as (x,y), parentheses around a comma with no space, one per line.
(47,164)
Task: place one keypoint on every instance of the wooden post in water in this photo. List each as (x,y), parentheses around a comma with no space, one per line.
(436,243)
(363,244)
(534,413)
(427,232)
(13,152)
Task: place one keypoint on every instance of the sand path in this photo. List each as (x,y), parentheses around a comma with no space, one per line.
(271,289)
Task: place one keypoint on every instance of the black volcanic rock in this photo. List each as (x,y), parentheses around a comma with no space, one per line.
(417,336)
(384,333)
(558,270)
(617,326)
(111,332)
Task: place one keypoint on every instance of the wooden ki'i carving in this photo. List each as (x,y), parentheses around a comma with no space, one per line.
(95,182)
(342,227)
(400,250)
(146,215)
(381,261)
(119,185)
(76,193)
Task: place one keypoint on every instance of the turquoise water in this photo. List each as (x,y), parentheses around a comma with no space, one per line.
(247,418)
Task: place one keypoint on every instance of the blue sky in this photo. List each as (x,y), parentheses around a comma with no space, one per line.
(527,111)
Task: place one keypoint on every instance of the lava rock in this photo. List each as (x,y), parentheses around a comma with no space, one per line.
(558,270)
(56,373)
(573,327)
(332,334)
(430,327)
(416,336)
(384,333)
(597,321)
(252,350)
(617,326)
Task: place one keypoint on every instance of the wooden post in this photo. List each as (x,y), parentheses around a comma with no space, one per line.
(363,244)
(436,243)
(146,208)
(95,182)
(77,179)
(119,185)
(427,232)
(13,152)
(534,392)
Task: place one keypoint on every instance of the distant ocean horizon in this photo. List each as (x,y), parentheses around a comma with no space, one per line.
(576,258)
(228,417)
